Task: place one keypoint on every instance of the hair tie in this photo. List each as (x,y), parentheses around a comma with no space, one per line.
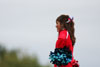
(69,19)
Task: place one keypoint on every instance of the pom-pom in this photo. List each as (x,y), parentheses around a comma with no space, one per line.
(60,56)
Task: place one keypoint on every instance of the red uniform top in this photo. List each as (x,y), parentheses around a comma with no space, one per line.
(64,40)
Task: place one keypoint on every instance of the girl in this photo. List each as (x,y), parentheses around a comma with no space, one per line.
(66,37)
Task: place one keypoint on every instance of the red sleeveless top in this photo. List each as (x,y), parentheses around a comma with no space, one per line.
(64,40)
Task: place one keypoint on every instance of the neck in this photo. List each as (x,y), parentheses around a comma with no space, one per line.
(63,29)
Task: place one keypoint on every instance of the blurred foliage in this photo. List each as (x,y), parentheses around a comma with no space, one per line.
(10,59)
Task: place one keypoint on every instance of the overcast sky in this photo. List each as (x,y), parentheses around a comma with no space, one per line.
(30,26)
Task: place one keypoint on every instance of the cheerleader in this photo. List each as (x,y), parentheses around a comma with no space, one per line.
(66,37)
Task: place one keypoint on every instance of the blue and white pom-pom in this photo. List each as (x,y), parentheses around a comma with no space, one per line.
(60,56)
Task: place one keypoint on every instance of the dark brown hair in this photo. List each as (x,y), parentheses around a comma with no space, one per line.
(68,26)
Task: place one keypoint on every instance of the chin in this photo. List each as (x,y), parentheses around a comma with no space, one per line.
(57,30)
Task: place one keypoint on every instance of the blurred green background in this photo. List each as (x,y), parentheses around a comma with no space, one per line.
(12,58)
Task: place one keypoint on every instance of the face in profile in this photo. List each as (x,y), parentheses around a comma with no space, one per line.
(58,26)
